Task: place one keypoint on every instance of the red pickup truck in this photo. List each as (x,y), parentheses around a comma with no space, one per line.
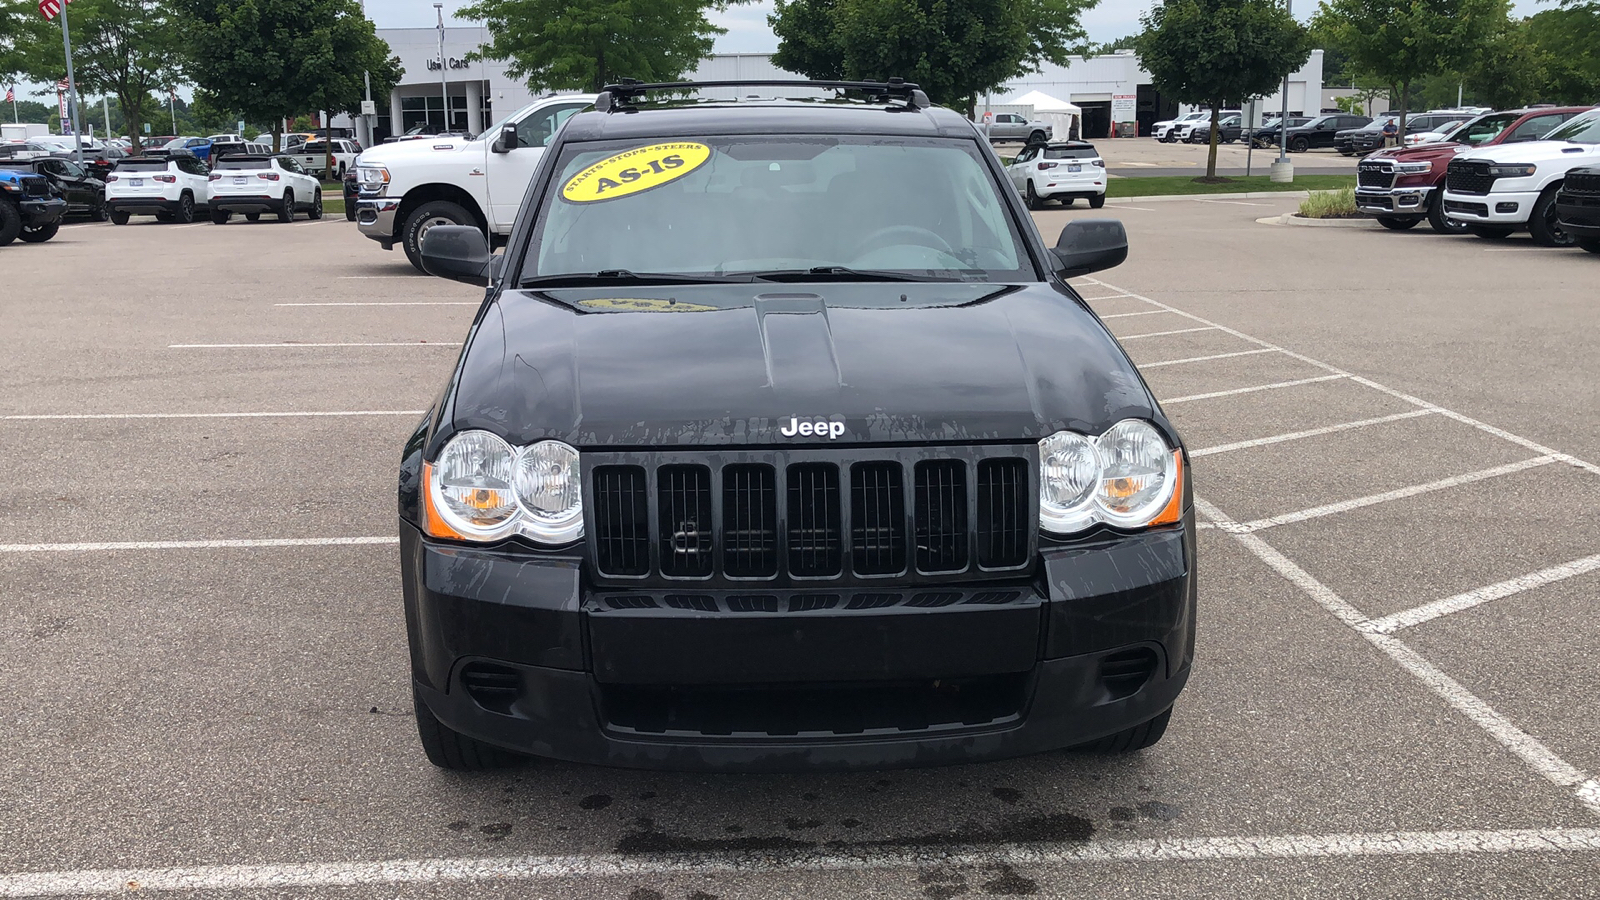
(1402,186)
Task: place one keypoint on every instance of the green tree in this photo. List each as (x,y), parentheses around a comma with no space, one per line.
(586,44)
(272,59)
(125,48)
(1568,43)
(953,50)
(1402,42)
(22,32)
(1213,52)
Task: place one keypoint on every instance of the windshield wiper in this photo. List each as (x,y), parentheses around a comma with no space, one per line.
(615,276)
(840,273)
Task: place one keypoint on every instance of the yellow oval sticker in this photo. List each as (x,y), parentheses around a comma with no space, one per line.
(621,304)
(634,171)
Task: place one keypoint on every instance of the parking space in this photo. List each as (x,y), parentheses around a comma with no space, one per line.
(205,657)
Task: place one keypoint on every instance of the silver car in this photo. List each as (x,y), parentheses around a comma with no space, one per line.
(1012,127)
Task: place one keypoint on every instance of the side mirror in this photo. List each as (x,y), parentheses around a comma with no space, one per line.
(506,140)
(1088,245)
(457,252)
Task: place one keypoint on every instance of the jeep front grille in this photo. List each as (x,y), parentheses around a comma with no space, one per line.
(1582,182)
(918,515)
(1468,177)
(35,186)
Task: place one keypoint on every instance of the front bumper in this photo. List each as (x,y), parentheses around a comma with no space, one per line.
(42,212)
(1493,208)
(376,219)
(1579,215)
(1100,641)
(1396,202)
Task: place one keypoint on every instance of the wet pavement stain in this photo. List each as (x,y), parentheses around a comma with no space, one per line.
(1011,884)
(1007,795)
(595,801)
(647,795)
(733,829)
(1054,828)
(495,831)
(1163,812)
(942,884)
(794,824)
(1123,814)
(646,894)
(656,842)
(459,825)
(850,823)
(700,895)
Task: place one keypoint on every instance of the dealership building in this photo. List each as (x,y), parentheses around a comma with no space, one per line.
(1109,89)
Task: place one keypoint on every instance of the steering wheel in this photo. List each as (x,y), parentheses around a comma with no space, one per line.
(922,237)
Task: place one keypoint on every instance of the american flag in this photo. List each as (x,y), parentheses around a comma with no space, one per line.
(51,8)
(11,95)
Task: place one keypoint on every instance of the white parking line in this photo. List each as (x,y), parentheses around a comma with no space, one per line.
(403,303)
(1312,432)
(196,545)
(1229,202)
(1195,359)
(1251,390)
(312,222)
(1414,490)
(414,275)
(1535,755)
(1143,312)
(286,876)
(1106,297)
(1134,337)
(1430,611)
(32,417)
(450,344)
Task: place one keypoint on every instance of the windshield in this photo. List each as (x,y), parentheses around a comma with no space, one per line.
(1481,129)
(719,207)
(1584,129)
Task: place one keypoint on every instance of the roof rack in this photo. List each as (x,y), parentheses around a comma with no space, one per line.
(619,96)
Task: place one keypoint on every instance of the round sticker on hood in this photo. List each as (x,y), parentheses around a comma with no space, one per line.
(634,171)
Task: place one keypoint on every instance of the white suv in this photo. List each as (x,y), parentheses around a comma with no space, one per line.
(1062,170)
(170,188)
(253,185)
(1162,131)
(1497,190)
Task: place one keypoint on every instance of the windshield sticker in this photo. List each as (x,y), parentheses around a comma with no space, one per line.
(635,171)
(643,305)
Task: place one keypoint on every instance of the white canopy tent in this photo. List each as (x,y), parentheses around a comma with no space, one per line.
(1065,119)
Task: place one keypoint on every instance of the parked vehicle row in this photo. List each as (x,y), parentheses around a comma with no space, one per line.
(83,192)
(1496,174)
(180,188)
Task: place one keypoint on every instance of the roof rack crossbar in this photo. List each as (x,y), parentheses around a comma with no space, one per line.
(619,95)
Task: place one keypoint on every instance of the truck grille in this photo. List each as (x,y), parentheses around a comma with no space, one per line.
(1469,177)
(1582,182)
(35,186)
(922,514)
(1375,175)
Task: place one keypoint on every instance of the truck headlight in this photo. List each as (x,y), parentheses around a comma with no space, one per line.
(373,179)
(1413,168)
(482,489)
(1513,171)
(1127,477)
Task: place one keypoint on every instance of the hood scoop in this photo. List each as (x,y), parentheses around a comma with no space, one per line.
(797,343)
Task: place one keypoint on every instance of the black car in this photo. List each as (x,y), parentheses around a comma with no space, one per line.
(351,192)
(1267,135)
(1578,207)
(1321,130)
(1229,129)
(1367,138)
(97,162)
(29,209)
(85,194)
(781,441)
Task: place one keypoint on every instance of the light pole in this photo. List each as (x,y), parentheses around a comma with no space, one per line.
(1283,170)
(444,83)
(72,89)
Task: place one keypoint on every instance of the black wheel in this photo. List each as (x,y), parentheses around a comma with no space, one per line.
(1439,222)
(252,217)
(349,211)
(1299,145)
(119,217)
(38,234)
(286,208)
(1344,152)
(1033,198)
(1544,225)
(1145,734)
(1394,224)
(1036,137)
(10,222)
(449,749)
(220,216)
(185,212)
(1590,244)
(424,217)
(1097,201)
(1490,232)
(316,206)
(1068,201)
(97,212)
(163,217)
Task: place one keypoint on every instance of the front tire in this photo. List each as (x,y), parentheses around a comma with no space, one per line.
(1394,224)
(10,222)
(220,216)
(1145,734)
(424,217)
(316,206)
(1033,199)
(1441,223)
(450,749)
(1544,225)
(185,213)
(1097,201)
(286,208)
(1490,232)
(1590,244)
(1036,137)
(120,216)
(41,233)
(252,217)
(1299,145)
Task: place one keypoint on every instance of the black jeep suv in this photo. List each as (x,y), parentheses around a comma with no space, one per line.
(781,441)
(1578,207)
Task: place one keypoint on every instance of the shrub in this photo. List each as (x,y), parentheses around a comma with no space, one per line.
(1330,204)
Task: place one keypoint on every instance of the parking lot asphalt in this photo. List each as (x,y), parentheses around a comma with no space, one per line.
(203,652)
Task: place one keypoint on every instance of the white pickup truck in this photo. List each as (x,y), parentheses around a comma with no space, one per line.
(408,187)
(313,156)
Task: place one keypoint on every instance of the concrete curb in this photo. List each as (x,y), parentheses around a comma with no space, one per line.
(1251,195)
(1294,219)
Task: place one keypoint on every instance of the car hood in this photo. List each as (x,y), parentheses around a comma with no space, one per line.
(732,364)
(384,154)
(1534,151)
(1416,152)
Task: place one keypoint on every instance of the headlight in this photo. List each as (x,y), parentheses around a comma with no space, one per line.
(482,489)
(1412,168)
(1516,171)
(1127,477)
(374,179)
